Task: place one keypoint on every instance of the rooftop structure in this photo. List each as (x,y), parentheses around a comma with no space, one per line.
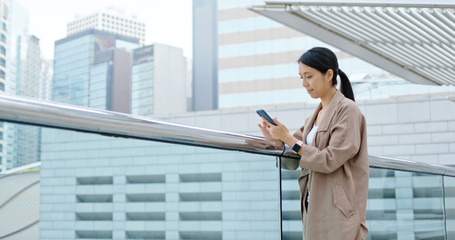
(412,39)
(109,20)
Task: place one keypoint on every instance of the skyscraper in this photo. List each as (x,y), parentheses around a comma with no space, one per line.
(30,80)
(3,46)
(46,73)
(110,81)
(84,72)
(158,80)
(20,68)
(27,145)
(22,58)
(109,20)
(3,42)
(205,58)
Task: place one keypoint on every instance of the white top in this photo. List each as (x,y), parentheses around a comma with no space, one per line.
(309,142)
(310,136)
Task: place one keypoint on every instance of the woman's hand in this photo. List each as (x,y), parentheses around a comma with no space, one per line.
(264,129)
(271,131)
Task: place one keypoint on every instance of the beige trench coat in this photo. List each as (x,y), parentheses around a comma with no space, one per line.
(335,171)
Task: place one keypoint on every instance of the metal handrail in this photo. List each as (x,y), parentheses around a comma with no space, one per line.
(69,117)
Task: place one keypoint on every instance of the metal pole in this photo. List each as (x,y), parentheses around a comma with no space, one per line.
(280,207)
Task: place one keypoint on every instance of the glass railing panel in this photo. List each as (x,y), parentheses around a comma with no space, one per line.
(101,187)
(401,205)
(449,203)
(292,219)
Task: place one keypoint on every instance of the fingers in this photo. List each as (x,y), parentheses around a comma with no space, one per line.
(262,126)
(265,122)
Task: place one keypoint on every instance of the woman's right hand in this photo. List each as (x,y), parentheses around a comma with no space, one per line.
(264,130)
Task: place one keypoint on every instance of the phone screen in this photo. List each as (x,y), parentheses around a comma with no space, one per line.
(264,114)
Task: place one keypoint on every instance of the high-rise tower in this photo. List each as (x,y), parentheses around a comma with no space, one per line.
(158,80)
(92,68)
(3,36)
(205,58)
(109,20)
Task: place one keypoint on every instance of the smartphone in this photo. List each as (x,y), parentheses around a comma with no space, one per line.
(263,114)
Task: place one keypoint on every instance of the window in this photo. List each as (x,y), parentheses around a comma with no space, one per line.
(2,62)
(3,38)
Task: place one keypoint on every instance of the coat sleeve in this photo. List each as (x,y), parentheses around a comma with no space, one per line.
(344,142)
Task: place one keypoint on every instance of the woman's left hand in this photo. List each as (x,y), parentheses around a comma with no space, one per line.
(280,131)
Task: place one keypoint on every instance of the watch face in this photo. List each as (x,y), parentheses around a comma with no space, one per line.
(296,147)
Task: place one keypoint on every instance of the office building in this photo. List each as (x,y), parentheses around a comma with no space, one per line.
(110,81)
(205,57)
(258,58)
(257,62)
(46,73)
(109,20)
(31,80)
(159,83)
(21,75)
(3,42)
(27,146)
(3,46)
(84,71)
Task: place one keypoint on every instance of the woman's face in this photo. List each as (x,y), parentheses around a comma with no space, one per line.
(316,83)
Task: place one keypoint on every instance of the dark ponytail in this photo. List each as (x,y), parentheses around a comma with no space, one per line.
(345,86)
(324,59)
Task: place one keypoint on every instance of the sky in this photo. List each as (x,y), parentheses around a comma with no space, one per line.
(167,22)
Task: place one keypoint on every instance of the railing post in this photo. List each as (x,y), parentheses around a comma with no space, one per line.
(280,207)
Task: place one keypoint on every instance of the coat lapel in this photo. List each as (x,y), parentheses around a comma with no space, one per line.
(324,124)
(328,116)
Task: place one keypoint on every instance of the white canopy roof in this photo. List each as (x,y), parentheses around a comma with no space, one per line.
(411,39)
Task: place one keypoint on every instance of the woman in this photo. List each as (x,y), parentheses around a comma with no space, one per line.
(333,149)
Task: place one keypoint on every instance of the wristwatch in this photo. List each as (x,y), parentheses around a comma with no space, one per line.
(297,146)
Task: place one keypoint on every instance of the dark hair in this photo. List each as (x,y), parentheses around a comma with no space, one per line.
(324,59)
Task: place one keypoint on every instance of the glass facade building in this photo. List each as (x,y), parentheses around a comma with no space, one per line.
(142,88)
(72,61)
(28,138)
(100,76)
(3,47)
(85,72)
(20,65)
(159,83)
